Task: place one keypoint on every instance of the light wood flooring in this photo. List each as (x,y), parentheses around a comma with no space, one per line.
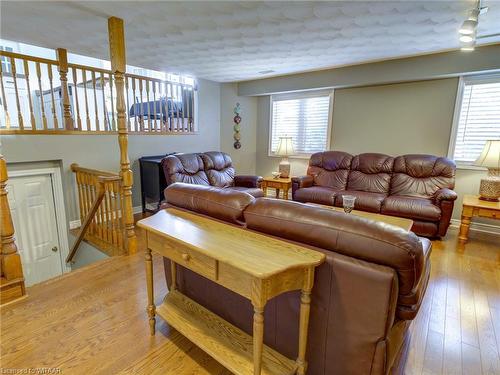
(93,321)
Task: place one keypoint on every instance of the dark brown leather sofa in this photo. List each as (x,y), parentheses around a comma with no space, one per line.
(365,294)
(213,168)
(417,187)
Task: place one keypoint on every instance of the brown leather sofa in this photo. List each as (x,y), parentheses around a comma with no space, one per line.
(365,294)
(417,187)
(212,168)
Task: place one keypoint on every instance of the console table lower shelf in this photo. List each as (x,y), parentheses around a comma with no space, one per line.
(229,345)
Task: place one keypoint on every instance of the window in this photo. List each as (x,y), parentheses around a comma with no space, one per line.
(306,117)
(477,117)
(6,68)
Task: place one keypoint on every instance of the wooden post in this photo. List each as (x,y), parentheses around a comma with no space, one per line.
(11,267)
(62,57)
(118,67)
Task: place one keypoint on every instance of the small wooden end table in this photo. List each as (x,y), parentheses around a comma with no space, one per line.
(278,184)
(473,206)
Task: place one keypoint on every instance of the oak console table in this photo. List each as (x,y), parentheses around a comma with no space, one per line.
(253,265)
(473,206)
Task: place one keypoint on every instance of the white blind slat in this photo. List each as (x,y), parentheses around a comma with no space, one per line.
(479,120)
(304,119)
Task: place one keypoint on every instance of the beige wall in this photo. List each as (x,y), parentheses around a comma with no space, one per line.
(245,157)
(394,119)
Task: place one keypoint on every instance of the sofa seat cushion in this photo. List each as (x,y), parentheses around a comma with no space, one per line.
(255,192)
(365,201)
(316,194)
(411,207)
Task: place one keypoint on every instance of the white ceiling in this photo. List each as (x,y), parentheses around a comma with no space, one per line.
(233,41)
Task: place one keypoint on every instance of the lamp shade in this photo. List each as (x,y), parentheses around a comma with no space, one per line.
(285,147)
(490,157)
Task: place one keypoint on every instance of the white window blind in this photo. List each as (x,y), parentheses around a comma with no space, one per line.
(478,118)
(304,117)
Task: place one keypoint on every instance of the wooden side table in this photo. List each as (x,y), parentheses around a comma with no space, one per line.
(251,264)
(473,206)
(278,184)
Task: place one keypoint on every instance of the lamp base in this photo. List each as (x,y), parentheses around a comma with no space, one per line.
(284,168)
(489,190)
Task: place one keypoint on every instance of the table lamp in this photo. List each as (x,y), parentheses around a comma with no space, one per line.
(489,189)
(285,149)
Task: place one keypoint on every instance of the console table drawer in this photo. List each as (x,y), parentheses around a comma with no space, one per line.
(184,256)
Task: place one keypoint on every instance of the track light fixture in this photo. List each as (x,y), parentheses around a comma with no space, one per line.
(468,29)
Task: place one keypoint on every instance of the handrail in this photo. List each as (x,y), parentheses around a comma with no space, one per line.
(101,180)
(76,168)
(21,56)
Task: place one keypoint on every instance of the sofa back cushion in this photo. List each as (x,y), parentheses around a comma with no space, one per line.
(219,168)
(223,204)
(371,172)
(349,235)
(330,168)
(187,168)
(421,175)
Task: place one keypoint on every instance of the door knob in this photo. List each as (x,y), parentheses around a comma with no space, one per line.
(54,249)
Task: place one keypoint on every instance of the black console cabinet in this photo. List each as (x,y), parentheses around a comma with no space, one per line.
(152,181)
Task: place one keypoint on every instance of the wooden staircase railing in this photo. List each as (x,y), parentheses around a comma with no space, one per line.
(102,215)
(11,271)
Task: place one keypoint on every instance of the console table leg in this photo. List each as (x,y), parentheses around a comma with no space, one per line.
(151,303)
(463,235)
(305,309)
(258,338)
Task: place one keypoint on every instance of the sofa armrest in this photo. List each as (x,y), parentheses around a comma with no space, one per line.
(248,181)
(303,181)
(444,195)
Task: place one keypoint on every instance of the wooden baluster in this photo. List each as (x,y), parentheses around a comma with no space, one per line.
(75,91)
(11,267)
(109,213)
(127,112)
(30,100)
(62,57)
(113,122)
(4,101)
(18,102)
(104,110)
(118,66)
(183,109)
(96,109)
(177,107)
(118,215)
(154,104)
(136,128)
(88,194)
(54,116)
(112,208)
(80,195)
(160,100)
(84,77)
(141,119)
(191,106)
(42,106)
(99,215)
(148,104)
(171,111)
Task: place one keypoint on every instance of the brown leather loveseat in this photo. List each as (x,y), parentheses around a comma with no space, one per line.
(417,187)
(365,295)
(213,168)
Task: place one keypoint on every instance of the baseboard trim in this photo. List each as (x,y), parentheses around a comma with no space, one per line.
(478,227)
(137,210)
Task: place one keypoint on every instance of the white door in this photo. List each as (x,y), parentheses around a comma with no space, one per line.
(33,212)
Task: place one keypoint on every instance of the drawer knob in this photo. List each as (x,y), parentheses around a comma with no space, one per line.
(186,257)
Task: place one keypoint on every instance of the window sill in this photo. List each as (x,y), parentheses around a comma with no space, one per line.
(302,157)
(471,168)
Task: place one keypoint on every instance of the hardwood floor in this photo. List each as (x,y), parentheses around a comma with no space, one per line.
(93,320)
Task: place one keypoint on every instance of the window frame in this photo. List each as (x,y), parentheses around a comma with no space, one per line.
(301,95)
(462,81)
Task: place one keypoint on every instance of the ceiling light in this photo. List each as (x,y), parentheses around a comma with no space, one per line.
(468,27)
(467,38)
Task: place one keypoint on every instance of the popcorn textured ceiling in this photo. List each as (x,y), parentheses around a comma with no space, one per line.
(233,41)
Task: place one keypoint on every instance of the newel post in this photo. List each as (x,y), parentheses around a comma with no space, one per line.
(118,66)
(62,57)
(11,267)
